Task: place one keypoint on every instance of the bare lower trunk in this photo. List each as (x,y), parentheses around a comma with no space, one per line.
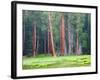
(37,44)
(49,44)
(69,43)
(34,39)
(70,38)
(80,49)
(77,44)
(51,36)
(62,35)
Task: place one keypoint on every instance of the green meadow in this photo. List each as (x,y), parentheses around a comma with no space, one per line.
(45,61)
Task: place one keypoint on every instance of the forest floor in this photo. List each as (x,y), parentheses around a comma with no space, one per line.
(44,61)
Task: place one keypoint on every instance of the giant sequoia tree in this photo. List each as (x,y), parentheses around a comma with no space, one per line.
(51,36)
(62,35)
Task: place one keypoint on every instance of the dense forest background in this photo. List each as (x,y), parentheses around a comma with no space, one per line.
(56,33)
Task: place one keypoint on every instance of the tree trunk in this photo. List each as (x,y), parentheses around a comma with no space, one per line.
(70,38)
(77,44)
(49,47)
(51,36)
(69,42)
(62,35)
(37,45)
(80,49)
(34,39)
(44,42)
(48,42)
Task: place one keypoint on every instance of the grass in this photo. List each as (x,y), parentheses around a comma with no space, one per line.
(44,61)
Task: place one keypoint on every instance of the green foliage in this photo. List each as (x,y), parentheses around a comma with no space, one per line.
(77,22)
(80,22)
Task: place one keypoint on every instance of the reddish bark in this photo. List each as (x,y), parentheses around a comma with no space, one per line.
(34,39)
(51,45)
(62,35)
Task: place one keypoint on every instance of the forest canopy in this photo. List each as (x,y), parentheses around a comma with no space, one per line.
(56,33)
